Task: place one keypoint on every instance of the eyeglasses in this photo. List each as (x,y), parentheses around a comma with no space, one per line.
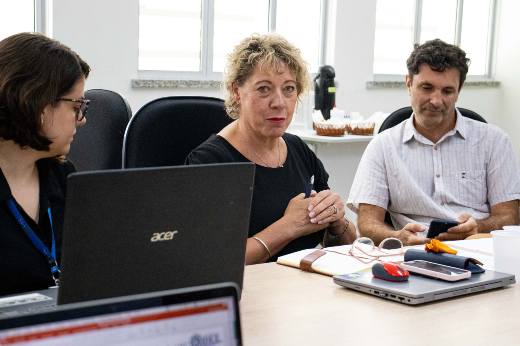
(82,111)
(364,250)
(363,247)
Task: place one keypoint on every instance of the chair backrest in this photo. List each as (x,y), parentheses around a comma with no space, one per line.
(402,114)
(164,131)
(98,144)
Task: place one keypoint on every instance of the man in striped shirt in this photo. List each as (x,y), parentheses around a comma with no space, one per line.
(436,164)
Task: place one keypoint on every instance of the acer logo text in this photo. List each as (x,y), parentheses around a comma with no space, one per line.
(163,236)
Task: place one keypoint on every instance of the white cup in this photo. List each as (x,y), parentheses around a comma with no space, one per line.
(506,251)
(512,228)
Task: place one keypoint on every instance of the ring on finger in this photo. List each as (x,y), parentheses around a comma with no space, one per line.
(336,210)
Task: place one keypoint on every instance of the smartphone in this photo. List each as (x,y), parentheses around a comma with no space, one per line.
(438,226)
(436,270)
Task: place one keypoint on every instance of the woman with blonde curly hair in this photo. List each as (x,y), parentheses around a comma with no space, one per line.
(265,79)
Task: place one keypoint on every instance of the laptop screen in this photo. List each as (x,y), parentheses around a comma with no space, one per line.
(207,322)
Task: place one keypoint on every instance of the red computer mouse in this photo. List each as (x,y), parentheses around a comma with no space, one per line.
(390,271)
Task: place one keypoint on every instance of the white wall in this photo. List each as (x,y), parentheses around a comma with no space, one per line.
(105,34)
(508,70)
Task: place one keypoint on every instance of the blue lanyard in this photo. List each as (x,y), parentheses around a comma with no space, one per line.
(51,256)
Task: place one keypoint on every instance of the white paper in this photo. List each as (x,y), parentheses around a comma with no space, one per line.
(482,244)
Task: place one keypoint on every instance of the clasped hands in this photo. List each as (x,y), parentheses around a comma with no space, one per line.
(316,212)
(467,226)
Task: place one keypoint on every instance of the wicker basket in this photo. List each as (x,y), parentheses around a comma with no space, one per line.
(361,128)
(324,129)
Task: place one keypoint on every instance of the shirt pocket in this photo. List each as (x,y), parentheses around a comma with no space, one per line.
(469,188)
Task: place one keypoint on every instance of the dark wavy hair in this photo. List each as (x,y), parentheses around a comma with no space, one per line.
(440,56)
(34,71)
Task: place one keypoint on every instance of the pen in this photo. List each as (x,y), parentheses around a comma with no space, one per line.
(309,188)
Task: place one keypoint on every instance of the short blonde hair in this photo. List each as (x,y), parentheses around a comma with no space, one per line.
(271,52)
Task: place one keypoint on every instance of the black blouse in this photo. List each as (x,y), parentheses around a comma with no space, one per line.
(22,267)
(273,187)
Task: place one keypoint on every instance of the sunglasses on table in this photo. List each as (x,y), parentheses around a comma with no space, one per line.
(363,248)
(82,111)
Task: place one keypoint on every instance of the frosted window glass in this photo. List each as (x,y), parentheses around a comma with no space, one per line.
(299,22)
(170,35)
(393,41)
(16,16)
(474,35)
(438,20)
(234,21)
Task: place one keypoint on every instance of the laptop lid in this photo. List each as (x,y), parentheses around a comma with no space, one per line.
(205,315)
(418,289)
(151,229)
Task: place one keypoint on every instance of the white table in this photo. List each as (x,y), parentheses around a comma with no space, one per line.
(286,306)
(310,137)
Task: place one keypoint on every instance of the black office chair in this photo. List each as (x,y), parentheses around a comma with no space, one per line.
(164,131)
(404,113)
(98,144)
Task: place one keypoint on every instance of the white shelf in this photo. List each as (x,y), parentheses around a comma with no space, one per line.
(311,136)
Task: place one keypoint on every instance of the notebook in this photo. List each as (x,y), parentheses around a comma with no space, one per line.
(143,230)
(418,289)
(206,315)
(151,229)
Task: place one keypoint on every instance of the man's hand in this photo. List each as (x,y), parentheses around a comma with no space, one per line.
(408,235)
(467,226)
(371,224)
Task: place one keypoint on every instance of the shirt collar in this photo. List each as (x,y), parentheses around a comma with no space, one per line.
(460,125)
(410,131)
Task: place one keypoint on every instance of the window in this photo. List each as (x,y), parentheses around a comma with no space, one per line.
(24,16)
(16,16)
(400,23)
(191,38)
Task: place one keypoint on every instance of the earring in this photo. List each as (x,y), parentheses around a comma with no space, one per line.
(41,121)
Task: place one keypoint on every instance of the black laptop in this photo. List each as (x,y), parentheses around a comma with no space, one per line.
(206,315)
(151,229)
(143,230)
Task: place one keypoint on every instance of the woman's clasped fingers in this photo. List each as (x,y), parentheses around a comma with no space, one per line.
(326,207)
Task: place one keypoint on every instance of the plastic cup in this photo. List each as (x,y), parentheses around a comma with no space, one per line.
(506,251)
(512,228)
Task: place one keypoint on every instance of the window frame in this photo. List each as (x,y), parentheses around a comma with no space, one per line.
(208,16)
(43,17)
(491,35)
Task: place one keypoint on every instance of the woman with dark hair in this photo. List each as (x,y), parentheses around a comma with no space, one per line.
(41,103)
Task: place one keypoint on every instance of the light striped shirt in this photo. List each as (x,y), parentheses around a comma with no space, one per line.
(470,169)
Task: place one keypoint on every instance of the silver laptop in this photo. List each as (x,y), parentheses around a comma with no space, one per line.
(206,315)
(28,303)
(149,229)
(419,290)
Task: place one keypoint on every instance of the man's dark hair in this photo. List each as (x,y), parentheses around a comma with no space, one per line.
(440,56)
(34,71)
